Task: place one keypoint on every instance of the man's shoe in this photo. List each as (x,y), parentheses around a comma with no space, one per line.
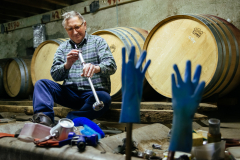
(41,118)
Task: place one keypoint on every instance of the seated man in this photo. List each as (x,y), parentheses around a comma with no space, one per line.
(76,91)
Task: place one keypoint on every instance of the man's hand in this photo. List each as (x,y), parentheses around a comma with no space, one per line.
(89,69)
(72,56)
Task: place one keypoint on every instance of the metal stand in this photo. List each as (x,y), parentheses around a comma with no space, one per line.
(170,155)
(129,141)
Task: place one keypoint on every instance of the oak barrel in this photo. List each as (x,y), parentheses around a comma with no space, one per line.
(3,63)
(2,90)
(17,78)
(42,59)
(1,81)
(204,39)
(117,38)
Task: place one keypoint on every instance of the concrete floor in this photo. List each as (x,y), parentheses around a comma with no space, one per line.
(228,115)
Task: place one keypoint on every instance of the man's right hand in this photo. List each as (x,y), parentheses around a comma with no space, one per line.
(72,56)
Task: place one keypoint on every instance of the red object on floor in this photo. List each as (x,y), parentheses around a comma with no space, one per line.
(48,143)
(6,135)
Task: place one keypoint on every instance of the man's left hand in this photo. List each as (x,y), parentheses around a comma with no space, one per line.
(89,69)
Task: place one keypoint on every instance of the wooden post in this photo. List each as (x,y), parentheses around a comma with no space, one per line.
(170,155)
(129,141)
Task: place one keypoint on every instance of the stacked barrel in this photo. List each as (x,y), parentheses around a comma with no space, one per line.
(204,39)
(15,77)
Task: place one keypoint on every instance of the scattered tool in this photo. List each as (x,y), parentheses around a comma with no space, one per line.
(80,140)
(98,105)
(110,130)
(157,146)
(122,148)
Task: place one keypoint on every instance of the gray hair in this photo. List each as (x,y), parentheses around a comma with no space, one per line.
(71,14)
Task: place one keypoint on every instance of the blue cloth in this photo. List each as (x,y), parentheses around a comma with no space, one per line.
(46,92)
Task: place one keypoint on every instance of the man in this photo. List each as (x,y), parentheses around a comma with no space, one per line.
(75,92)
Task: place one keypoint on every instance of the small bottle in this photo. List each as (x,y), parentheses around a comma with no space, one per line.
(214,134)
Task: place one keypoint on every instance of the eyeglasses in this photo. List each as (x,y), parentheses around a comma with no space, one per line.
(77,27)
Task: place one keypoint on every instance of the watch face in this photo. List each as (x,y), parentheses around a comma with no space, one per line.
(2,28)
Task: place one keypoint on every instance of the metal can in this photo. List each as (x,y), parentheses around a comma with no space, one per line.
(156,146)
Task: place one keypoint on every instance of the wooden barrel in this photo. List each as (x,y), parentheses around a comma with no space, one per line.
(117,38)
(17,78)
(204,39)
(3,93)
(42,59)
(2,90)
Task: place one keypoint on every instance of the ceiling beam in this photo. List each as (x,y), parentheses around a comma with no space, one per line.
(60,2)
(2,21)
(36,4)
(7,18)
(13,14)
(21,8)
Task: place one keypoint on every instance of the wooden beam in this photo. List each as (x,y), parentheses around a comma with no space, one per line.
(13,14)
(147,115)
(7,18)
(21,8)
(59,2)
(36,4)
(58,111)
(2,21)
(20,103)
(203,107)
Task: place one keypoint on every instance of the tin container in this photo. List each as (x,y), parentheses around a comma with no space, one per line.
(61,130)
(214,134)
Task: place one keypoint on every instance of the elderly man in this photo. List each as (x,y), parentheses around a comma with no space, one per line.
(76,91)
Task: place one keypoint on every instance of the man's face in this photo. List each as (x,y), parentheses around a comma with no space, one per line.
(76,28)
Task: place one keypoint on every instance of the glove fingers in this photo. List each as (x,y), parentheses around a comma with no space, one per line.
(132,54)
(197,75)
(141,59)
(188,72)
(146,67)
(199,90)
(174,86)
(123,61)
(179,79)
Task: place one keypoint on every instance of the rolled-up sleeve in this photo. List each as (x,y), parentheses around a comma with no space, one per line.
(107,62)
(58,72)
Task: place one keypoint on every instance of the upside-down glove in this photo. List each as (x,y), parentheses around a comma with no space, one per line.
(132,84)
(186,96)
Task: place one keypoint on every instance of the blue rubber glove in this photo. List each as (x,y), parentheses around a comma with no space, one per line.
(132,84)
(186,96)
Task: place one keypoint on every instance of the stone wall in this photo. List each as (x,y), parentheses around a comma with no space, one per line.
(143,14)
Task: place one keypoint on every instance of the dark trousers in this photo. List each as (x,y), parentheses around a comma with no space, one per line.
(46,92)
